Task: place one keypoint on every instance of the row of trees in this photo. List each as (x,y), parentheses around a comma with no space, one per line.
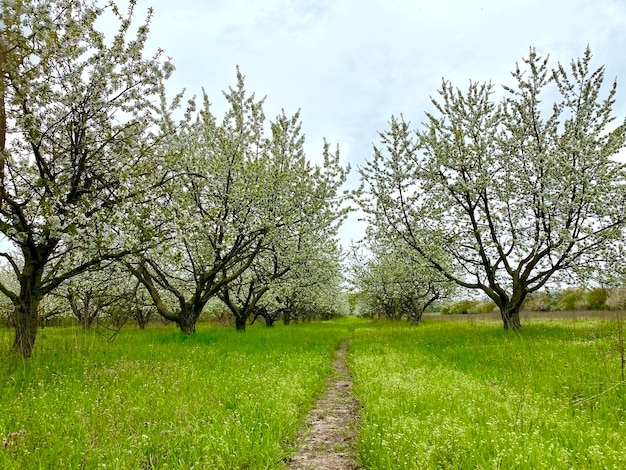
(499,195)
(98,178)
(391,282)
(99,181)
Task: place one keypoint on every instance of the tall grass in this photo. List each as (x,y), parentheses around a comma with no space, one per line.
(469,395)
(441,395)
(158,399)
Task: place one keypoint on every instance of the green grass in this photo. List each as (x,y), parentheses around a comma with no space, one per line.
(469,395)
(445,394)
(220,399)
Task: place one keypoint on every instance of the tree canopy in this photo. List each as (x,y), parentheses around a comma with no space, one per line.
(512,192)
(79,131)
(94,169)
(244,209)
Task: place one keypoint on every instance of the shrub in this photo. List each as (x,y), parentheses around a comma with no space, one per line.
(541,302)
(596,299)
(572,299)
(462,307)
(484,307)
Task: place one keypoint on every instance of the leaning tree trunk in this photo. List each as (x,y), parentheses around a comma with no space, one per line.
(417,312)
(416,318)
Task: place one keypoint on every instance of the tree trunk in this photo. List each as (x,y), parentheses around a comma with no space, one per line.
(510,318)
(511,306)
(26,309)
(286,317)
(187,320)
(142,317)
(416,318)
(26,321)
(240,323)
(269,320)
(262,312)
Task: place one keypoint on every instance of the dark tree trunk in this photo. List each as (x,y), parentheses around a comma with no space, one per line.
(187,326)
(26,322)
(142,317)
(26,310)
(511,306)
(418,308)
(87,317)
(269,320)
(187,319)
(268,317)
(240,323)
(511,319)
(509,311)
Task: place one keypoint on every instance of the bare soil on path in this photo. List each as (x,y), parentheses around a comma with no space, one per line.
(329,434)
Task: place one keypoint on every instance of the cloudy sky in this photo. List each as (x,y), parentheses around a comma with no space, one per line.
(349,65)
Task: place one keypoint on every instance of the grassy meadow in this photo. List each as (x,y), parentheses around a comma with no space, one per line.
(158,399)
(462,395)
(445,394)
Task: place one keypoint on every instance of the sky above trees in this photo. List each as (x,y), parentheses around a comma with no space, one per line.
(350,64)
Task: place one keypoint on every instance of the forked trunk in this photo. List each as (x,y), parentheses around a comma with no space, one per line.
(269,319)
(142,318)
(511,306)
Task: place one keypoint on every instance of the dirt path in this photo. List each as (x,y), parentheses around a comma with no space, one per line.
(328,438)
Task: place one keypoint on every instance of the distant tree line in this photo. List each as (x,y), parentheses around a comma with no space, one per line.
(571,299)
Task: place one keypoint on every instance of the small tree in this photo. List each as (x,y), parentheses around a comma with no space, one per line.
(392,283)
(98,295)
(514,192)
(617,298)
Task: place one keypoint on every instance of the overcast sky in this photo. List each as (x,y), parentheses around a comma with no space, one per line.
(349,65)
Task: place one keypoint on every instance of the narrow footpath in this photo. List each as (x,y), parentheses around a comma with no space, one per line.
(329,434)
